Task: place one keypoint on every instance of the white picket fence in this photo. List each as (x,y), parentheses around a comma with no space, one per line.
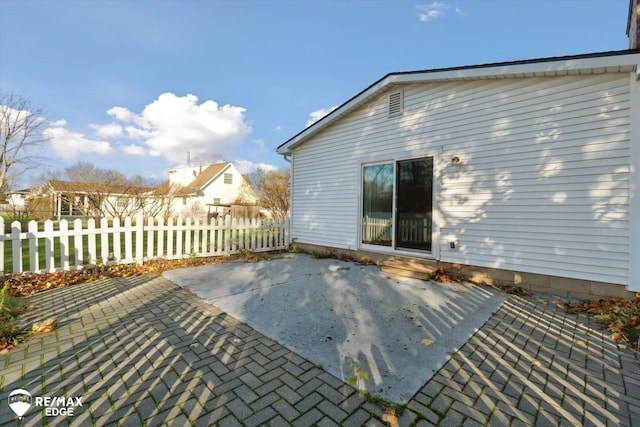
(377,229)
(77,244)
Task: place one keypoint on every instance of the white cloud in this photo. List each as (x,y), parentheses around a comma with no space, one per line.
(434,10)
(61,122)
(108,131)
(172,125)
(69,144)
(135,150)
(314,116)
(247,166)
(121,114)
(277,128)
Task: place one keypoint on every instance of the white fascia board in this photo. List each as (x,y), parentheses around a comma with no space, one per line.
(596,65)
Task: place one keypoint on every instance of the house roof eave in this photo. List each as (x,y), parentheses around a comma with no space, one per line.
(594,63)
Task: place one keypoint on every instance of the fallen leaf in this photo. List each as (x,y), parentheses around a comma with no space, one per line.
(537,363)
(427,341)
(582,343)
(391,419)
(47,325)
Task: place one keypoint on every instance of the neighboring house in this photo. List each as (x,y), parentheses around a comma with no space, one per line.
(17,200)
(75,199)
(524,172)
(190,191)
(211,189)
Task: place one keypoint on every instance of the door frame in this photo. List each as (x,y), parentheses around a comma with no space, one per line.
(435,227)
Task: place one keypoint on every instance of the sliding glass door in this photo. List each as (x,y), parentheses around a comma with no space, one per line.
(397,204)
(414,204)
(377,204)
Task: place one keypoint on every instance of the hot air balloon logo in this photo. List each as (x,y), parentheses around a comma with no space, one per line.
(20,402)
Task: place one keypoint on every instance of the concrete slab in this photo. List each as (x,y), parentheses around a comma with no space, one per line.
(338,314)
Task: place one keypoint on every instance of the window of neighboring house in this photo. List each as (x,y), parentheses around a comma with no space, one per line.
(228,178)
(216,200)
(122,202)
(184,201)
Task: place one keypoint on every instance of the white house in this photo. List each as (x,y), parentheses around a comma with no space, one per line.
(209,189)
(523,172)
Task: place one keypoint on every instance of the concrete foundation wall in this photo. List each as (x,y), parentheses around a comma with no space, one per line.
(554,285)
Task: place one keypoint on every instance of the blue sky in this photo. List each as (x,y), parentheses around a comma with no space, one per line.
(135,85)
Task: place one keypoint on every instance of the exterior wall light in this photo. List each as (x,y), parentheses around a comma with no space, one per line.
(455,161)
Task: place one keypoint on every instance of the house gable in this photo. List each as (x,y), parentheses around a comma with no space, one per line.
(596,63)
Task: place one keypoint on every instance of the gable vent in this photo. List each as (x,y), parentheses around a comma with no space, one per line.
(396,101)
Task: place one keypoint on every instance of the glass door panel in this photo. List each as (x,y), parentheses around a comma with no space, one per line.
(377,204)
(414,204)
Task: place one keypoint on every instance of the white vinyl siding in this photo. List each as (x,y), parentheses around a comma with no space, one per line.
(544,180)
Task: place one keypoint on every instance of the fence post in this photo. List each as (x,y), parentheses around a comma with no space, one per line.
(160,250)
(49,253)
(78,248)
(287,224)
(169,237)
(219,232)
(91,240)
(150,234)
(187,237)
(139,240)
(16,247)
(64,244)
(212,235)
(117,246)
(227,234)
(196,237)
(104,240)
(34,262)
(179,231)
(128,240)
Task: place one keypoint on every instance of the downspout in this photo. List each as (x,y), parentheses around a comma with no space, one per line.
(289,159)
(634,191)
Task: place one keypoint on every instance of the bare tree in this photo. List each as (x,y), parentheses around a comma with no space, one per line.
(272,190)
(158,201)
(20,130)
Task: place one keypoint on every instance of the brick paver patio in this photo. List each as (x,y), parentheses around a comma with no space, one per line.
(142,351)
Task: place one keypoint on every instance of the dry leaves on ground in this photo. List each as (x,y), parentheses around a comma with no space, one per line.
(621,317)
(21,285)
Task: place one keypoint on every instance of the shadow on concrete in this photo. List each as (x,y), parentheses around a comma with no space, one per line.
(347,317)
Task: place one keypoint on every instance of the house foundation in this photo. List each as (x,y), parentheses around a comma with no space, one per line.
(422,268)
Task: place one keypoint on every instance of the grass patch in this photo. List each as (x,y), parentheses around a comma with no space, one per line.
(10,307)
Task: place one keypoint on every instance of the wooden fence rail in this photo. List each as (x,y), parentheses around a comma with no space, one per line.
(76,244)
